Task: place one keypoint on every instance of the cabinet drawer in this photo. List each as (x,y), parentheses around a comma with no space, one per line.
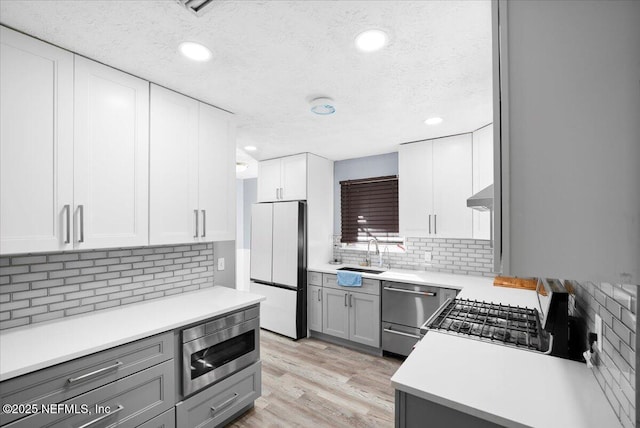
(369,286)
(131,401)
(314,278)
(67,380)
(214,405)
(165,420)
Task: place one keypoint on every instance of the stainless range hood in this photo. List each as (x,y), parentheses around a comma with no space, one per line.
(483,200)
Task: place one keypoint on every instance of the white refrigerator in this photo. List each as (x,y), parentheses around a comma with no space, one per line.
(279,266)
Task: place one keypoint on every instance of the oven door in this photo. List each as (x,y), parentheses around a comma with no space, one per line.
(210,358)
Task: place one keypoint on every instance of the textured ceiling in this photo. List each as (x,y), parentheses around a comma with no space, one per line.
(271,57)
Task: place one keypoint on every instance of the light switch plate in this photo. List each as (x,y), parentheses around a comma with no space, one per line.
(221,263)
(427,256)
(598,331)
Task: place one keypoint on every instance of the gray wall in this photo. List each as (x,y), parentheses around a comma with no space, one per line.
(351,169)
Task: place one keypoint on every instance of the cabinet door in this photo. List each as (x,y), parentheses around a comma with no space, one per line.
(415,189)
(217,185)
(36,144)
(173,168)
(482,177)
(111,157)
(314,308)
(452,186)
(269,180)
(294,178)
(364,319)
(335,313)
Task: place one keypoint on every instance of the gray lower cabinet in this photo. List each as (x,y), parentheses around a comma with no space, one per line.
(127,402)
(64,381)
(412,411)
(364,319)
(314,307)
(165,420)
(335,313)
(221,402)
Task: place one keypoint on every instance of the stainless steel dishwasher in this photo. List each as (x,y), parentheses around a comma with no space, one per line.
(405,307)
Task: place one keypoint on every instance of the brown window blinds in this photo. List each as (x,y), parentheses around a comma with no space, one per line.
(370,209)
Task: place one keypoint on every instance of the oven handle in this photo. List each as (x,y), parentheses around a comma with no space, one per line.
(399,333)
(225,403)
(421,293)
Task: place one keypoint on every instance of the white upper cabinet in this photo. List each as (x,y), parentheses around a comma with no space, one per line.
(173,168)
(36,145)
(217,173)
(111,157)
(434,184)
(192,170)
(482,177)
(283,179)
(452,186)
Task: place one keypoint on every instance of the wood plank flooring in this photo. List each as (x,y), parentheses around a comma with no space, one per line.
(311,383)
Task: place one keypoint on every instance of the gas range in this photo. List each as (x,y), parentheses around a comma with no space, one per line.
(496,323)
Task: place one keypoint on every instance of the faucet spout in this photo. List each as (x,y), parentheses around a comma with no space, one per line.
(375,241)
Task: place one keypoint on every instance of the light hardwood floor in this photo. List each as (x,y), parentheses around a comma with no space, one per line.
(311,383)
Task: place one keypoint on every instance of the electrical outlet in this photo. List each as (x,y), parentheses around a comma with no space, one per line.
(598,331)
(221,263)
(427,256)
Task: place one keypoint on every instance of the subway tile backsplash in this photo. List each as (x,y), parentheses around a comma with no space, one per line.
(41,287)
(457,256)
(616,365)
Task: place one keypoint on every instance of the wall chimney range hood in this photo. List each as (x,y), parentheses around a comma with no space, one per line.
(483,200)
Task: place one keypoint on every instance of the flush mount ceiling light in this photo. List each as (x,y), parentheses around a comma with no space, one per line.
(241,166)
(250,148)
(433,121)
(371,40)
(195,51)
(323,106)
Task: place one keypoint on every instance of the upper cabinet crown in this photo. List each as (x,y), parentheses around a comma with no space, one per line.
(435,182)
(191,170)
(283,179)
(74,151)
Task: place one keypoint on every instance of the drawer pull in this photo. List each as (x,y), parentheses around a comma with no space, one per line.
(103,417)
(225,403)
(399,333)
(422,293)
(94,373)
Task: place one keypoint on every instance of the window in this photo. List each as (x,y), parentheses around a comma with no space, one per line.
(370,209)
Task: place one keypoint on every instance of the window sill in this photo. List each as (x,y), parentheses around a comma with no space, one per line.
(393,248)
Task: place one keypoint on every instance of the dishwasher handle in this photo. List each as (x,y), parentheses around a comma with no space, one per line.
(420,293)
(400,333)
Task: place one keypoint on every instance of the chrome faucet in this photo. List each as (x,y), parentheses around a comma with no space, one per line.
(375,241)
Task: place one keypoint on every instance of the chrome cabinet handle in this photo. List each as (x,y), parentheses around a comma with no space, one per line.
(225,403)
(350,296)
(81,215)
(277,193)
(204,223)
(94,373)
(400,333)
(319,296)
(421,293)
(429,224)
(195,212)
(435,224)
(67,210)
(345,299)
(103,417)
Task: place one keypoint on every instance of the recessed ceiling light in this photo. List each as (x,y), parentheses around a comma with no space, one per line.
(371,40)
(250,148)
(433,121)
(241,166)
(323,106)
(195,51)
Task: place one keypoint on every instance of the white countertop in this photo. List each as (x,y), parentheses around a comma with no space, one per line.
(511,387)
(30,348)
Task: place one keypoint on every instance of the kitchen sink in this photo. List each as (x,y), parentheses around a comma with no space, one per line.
(353,269)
